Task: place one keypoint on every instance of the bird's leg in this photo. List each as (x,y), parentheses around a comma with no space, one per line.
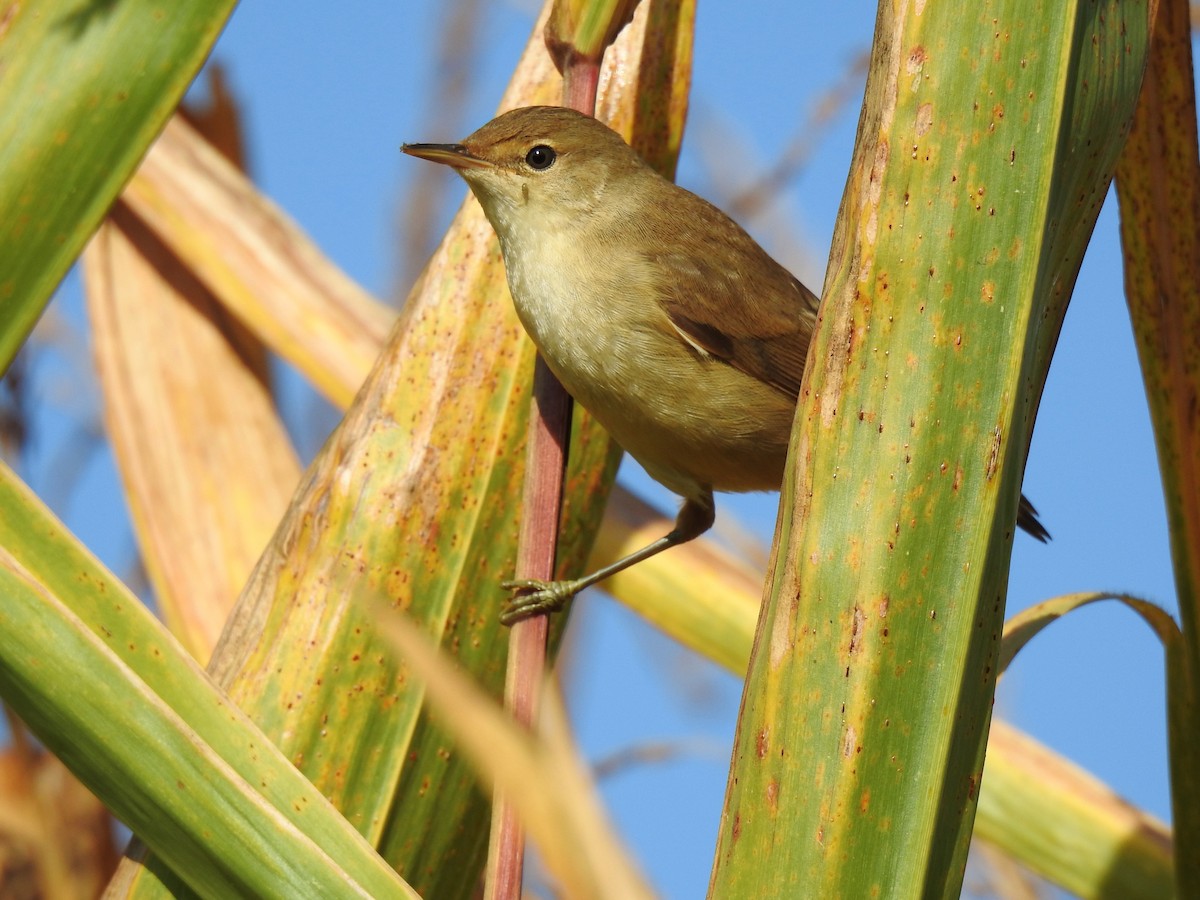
(531,596)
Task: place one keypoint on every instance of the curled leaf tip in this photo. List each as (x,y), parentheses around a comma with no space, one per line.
(585,28)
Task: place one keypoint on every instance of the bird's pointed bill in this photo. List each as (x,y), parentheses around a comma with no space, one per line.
(455,155)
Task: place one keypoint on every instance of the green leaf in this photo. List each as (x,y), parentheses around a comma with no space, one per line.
(1027,624)
(111,692)
(86,86)
(416,497)
(986,145)
(1081,851)
(1158,186)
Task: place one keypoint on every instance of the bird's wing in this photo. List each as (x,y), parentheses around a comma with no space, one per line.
(756,317)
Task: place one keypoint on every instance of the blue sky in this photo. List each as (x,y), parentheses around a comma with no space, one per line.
(330,91)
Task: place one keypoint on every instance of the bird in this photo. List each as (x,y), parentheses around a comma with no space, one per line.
(655,310)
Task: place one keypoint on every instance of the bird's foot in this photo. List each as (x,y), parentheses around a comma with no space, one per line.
(532,597)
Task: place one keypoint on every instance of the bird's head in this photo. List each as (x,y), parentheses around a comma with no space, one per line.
(546,163)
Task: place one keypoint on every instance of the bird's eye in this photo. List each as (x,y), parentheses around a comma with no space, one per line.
(541,157)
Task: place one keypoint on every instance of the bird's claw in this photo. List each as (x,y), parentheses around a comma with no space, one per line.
(533,597)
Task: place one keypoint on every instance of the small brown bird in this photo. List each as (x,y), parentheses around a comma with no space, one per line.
(687,342)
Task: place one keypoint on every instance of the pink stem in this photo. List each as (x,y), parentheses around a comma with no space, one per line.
(546,460)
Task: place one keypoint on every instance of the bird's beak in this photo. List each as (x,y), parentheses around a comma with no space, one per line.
(454,155)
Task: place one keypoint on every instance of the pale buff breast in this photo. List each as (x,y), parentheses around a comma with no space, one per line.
(692,421)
